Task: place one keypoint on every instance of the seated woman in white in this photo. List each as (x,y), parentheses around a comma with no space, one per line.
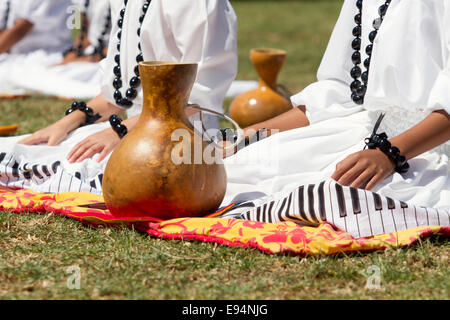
(392,59)
(64,157)
(35,33)
(77,75)
(95,27)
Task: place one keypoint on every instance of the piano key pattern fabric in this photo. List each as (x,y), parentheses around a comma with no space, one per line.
(273,238)
(359,212)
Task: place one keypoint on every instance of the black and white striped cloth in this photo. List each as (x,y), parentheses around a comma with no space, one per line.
(359,212)
(45,177)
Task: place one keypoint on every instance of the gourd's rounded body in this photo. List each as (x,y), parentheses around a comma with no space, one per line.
(264,102)
(258,105)
(144,175)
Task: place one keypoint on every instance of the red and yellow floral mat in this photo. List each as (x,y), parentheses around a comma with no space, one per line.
(286,237)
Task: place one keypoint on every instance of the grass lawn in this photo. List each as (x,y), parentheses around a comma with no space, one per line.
(37,251)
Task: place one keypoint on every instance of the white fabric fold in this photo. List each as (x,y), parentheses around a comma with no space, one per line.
(77,80)
(201,31)
(409,66)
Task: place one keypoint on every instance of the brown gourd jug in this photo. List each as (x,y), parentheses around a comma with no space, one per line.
(141,177)
(264,102)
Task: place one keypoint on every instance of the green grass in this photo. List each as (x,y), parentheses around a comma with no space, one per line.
(36,250)
(301,28)
(31,113)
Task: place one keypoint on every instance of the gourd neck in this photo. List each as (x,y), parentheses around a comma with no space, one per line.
(166,88)
(268,63)
(268,83)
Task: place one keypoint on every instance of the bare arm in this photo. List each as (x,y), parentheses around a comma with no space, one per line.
(55,133)
(294,118)
(426,135)
(11,36)
(102,142)
(370,167)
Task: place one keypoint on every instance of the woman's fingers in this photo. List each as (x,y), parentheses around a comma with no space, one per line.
(74,150)
(351,174)
(376,179)
(102,142)
(33,139)
(104,153)
(78,150)
(363,178)
(343,166)
(367,167)
(90,152)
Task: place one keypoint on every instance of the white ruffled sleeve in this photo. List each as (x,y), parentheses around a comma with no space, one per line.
(205,32)
(50,32)
(201,31)
(440,93)
(329,97)
(36,11)
(3,9)
(97,13)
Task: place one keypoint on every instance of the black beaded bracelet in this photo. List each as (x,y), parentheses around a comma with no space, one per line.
(90,116)
(381,142)
(118,127)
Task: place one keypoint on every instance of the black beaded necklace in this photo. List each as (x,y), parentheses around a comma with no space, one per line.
(131,93)
(359,87)
(101,43)
(8,7)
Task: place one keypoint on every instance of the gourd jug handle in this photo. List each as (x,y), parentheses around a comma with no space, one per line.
(239,131)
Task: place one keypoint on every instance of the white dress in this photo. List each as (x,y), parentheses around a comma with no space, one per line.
(202,31)
(185,31)
(42,45)
(4,14)
(77,80)
(409,78)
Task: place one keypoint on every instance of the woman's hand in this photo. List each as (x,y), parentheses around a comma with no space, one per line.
(102,142)
(367,167)
(57,132)
(52,135)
